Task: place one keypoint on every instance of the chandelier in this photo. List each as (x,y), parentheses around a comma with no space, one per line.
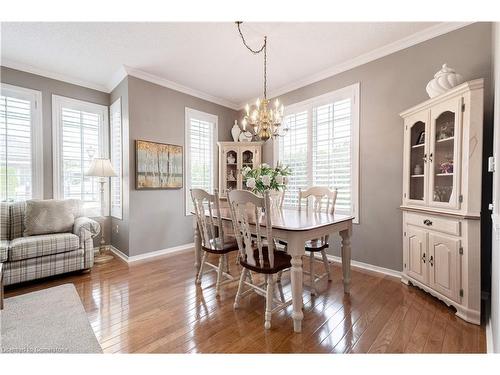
(265,118)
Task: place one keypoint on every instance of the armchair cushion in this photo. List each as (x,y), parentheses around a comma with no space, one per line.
(86,228)
(50,216)
(36,246)
(4,250)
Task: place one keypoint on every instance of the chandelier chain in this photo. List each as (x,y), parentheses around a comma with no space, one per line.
(256,52)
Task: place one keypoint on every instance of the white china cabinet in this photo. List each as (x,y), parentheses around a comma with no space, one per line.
(442,197)
(233,157)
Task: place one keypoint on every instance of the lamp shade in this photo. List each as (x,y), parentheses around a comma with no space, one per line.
(101,167)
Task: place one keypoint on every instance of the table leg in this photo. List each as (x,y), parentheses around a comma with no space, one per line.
(297,287)
(197,248)
(346,259)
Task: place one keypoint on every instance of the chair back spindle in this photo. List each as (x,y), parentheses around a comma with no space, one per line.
(248,211)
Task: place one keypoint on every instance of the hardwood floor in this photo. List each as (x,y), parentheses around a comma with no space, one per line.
(154,306)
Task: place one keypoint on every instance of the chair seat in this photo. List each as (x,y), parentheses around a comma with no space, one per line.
(315,245)
(230,244)
(282,261)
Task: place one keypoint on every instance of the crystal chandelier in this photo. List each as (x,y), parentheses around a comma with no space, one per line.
(265,118)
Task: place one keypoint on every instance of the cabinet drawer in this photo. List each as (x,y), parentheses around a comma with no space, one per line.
(437,223)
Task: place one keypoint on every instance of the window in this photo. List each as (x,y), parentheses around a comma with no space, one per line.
(115,113)
(322,146)
(80,134)
(201,136)
(21,164)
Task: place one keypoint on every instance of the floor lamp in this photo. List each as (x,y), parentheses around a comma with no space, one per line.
(101,167)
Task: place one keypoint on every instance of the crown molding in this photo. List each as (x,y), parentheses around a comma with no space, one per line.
(116,78)
(416,38)
(178,87)
(49,74)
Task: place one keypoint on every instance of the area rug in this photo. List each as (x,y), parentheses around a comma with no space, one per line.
(48,321)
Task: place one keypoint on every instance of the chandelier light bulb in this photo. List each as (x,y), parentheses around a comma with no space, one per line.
(247,109)
(277,103)
(257,103)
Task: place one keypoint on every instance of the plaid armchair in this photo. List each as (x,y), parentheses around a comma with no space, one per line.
(35,257)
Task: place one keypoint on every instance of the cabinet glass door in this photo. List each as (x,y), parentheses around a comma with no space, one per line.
(443,156)
(417,168)
(231,170)
(247,160)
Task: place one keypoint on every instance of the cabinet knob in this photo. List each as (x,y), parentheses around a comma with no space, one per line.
(427,222)
(425,158)
(431,261)
(423,258)
(430,157)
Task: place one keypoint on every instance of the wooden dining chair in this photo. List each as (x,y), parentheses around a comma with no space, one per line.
(322,199)
(257,254)
(213,240)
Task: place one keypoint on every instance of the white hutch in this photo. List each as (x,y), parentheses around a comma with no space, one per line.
(442,197)
(233,157)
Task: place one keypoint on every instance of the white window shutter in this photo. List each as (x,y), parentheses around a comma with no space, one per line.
(321,147)
(201,136)
(331,128)
(116,144)
(80,134)
(293,150)
(20,144)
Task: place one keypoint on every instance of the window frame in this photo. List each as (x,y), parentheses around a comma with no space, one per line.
(119,176)
(349,92)
(204,116)
(58,102)
(35,97)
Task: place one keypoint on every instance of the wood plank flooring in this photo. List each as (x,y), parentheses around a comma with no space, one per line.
(154,306)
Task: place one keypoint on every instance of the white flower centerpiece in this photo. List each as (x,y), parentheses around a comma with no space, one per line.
(263,178)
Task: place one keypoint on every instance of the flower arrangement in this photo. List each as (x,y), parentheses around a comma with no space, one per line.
(263,178)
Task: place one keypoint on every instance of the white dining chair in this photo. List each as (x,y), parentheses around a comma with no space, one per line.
(257,253)
(213,240)
(318,199)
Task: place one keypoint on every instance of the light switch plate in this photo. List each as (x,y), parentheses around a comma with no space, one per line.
(491,164)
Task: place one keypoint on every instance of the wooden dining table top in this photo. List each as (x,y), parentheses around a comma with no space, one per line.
(293,219)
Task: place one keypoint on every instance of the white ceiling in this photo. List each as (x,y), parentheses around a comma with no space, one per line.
(207,59)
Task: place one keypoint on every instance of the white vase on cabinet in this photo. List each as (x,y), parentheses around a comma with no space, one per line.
(235,131)
(442,204)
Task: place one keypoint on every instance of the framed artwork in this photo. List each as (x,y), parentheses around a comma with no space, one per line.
(158,166)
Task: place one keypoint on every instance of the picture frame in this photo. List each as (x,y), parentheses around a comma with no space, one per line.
(158,166)
(421,138)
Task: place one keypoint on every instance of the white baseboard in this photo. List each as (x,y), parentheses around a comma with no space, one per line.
(189,246)
(489,335)
(365,266)
(151,254)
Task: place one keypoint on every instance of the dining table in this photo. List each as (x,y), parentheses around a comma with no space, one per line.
(296,227)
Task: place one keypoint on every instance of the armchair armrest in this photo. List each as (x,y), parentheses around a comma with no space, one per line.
(86,228)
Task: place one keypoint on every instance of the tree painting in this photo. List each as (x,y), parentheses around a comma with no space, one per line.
(158,165)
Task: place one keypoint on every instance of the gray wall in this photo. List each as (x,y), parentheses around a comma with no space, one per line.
(388,86)
(48,87)
(157,217)
(495,264)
